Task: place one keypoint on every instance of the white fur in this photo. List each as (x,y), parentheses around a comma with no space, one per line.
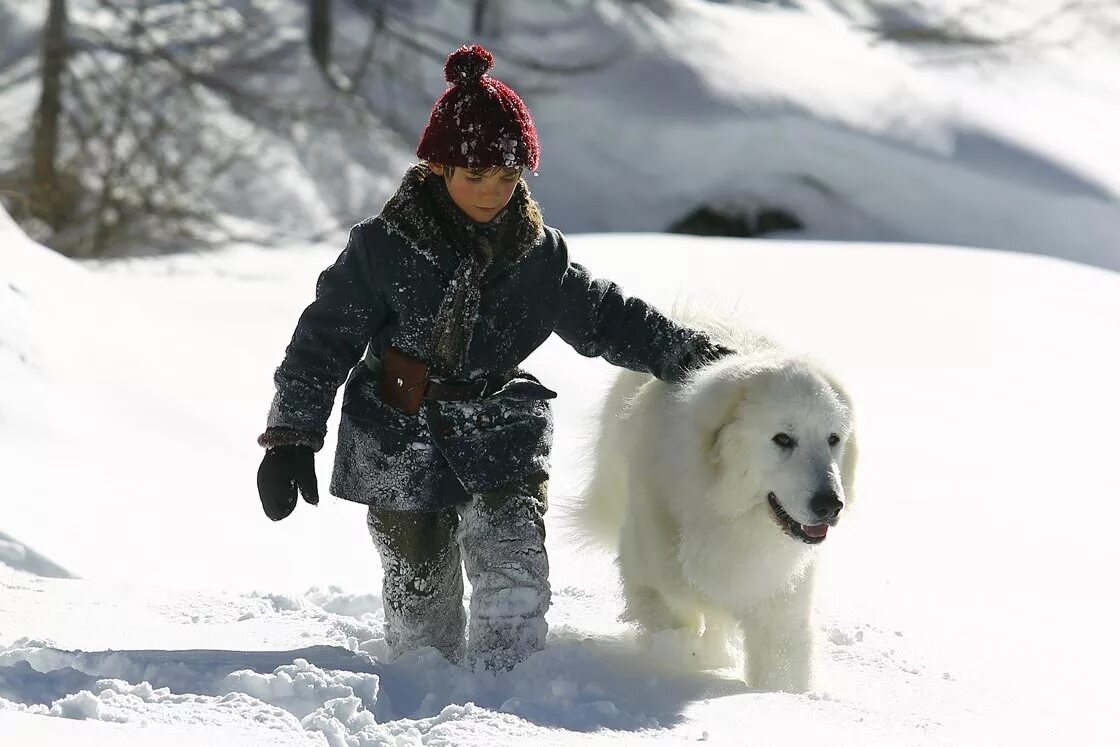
(679,486)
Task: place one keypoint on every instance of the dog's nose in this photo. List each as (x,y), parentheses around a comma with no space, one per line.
(825,505)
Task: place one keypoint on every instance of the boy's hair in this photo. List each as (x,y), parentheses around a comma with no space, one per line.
(449,171)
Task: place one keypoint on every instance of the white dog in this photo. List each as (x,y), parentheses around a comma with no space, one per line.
(716,492)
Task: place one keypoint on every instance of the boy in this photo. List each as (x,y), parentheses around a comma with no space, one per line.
(442,435)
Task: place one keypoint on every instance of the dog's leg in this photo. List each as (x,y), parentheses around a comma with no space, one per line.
(670,632)
(778,641)
(653,613)
(714,649)
(651,582)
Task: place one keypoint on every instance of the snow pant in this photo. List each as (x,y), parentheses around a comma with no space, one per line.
(498,537)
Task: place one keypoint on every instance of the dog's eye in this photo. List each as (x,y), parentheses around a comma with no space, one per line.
(784,440)
(833,440)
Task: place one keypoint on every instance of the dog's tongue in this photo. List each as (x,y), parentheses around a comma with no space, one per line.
(815,530)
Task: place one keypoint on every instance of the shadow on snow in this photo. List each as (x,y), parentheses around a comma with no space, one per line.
(581,686)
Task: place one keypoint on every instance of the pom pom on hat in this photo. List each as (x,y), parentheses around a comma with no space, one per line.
(479,122)
(467,64)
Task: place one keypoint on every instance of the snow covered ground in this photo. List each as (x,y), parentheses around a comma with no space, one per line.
(966,602)
(145,599)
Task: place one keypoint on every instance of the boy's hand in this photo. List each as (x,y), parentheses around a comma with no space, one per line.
(283,471)
(705,352)
(715,351)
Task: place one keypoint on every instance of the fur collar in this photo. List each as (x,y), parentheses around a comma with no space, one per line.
(412,214)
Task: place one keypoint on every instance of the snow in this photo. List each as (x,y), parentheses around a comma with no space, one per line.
(736,105)
(145,599)
(983,378)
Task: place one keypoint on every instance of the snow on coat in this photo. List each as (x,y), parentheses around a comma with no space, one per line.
(387,287)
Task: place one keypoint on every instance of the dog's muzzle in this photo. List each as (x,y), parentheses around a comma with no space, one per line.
(810,534)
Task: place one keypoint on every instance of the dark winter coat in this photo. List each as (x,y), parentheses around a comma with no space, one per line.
(387,287)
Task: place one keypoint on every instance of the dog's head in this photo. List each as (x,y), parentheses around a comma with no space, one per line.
(782,442)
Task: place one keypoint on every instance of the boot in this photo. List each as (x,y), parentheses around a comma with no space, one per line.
(502,539)
(422,586)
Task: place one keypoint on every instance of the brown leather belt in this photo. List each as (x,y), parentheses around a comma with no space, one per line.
(404,381)
(471,389)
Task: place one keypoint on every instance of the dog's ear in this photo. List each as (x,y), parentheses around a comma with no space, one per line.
(712,403)
(717,394)
(848,467)
(851,449)
(723,441)
(720,439)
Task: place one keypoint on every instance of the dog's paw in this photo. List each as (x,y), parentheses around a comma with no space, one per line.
(685,649)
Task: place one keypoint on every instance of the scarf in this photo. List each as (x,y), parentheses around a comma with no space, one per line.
(423,213)
(477,245)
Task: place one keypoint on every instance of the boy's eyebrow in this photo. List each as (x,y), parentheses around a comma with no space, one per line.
(505,171)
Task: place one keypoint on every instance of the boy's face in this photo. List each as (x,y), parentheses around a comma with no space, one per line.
(480,193)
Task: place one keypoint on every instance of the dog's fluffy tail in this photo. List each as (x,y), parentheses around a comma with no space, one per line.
(601,509)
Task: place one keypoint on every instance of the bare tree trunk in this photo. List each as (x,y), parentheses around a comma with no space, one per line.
(486,19)
(46,198)
(478,23)
(319,36)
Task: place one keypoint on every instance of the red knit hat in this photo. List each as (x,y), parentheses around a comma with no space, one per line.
(479,122)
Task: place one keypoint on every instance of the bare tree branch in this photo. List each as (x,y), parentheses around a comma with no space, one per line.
(46,189)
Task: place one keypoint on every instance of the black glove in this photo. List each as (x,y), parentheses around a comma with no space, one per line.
(704,352)
(282,471)
(713,352)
